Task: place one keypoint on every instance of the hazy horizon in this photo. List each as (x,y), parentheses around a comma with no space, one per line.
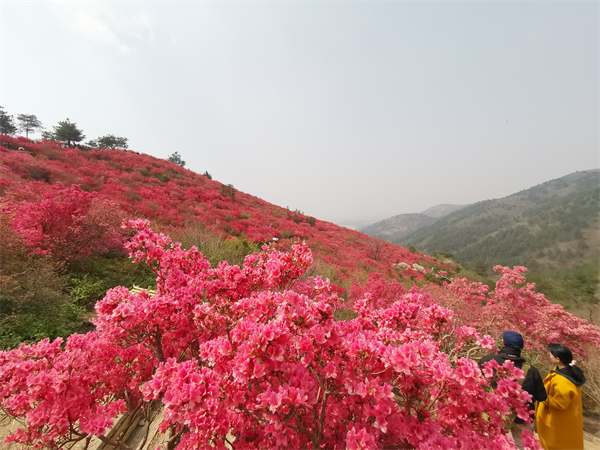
(348,112)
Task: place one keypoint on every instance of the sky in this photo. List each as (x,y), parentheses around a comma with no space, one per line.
(347,111)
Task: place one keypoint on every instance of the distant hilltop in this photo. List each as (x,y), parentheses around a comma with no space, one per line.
(397,227)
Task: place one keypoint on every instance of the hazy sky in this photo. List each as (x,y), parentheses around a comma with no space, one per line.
(343,110)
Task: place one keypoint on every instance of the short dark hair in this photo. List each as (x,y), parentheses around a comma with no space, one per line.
(561,352)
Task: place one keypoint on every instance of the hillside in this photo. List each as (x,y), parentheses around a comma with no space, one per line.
(397,227)
(552,225)
(175,198)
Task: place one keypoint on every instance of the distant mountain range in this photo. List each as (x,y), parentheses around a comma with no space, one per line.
(397,227)
(553,224)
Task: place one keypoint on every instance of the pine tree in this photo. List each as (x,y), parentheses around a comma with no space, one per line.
(7,123)
(68,132)
(110,141)
(176,158)
(28,123)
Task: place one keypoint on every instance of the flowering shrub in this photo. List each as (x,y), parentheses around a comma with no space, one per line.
(251,357)
(377,291)
(402,266)
(512,305)
(66,394)
(65,222)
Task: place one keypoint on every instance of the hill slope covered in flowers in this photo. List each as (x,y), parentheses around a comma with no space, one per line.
(139,185)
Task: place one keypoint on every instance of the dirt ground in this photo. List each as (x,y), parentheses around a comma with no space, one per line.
(591,423)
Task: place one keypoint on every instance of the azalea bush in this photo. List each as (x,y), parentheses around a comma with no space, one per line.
(251,357)
(513,304)
(64,222)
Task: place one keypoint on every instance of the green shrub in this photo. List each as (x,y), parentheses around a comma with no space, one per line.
(344,314)
(87,291)
(91,278)
(286,234)
(38,173)
(143,171)
(214,247)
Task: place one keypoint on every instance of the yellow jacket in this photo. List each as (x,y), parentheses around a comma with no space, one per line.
(559,419)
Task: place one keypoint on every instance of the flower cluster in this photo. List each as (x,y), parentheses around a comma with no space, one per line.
(66,393)
(64,221)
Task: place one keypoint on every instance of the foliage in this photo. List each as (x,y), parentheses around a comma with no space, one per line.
(215,248)
(376,247)
(176,158)
(33,303)
(67,131)
(7,123)
(28,123)
(48,135)
(90,278)
(66,222)
(228,191)
(576,288)
(251,357)
(581,282)
(84,289)
(110,141)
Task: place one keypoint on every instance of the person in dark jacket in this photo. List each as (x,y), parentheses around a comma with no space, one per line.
(532,384)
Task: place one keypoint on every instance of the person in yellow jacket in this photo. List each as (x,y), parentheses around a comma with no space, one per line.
(559,419)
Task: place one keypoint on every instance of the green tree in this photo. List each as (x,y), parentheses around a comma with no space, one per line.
(7,123)
(47,134)
(176,158)
(110,141)
(67,131)
(28,123)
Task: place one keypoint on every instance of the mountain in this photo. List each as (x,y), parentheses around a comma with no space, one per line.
(442,210)
(550,225)
(397,227)
(174,198)
(356,224)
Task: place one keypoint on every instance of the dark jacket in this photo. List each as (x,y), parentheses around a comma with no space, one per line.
(573,374)
(532,384)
